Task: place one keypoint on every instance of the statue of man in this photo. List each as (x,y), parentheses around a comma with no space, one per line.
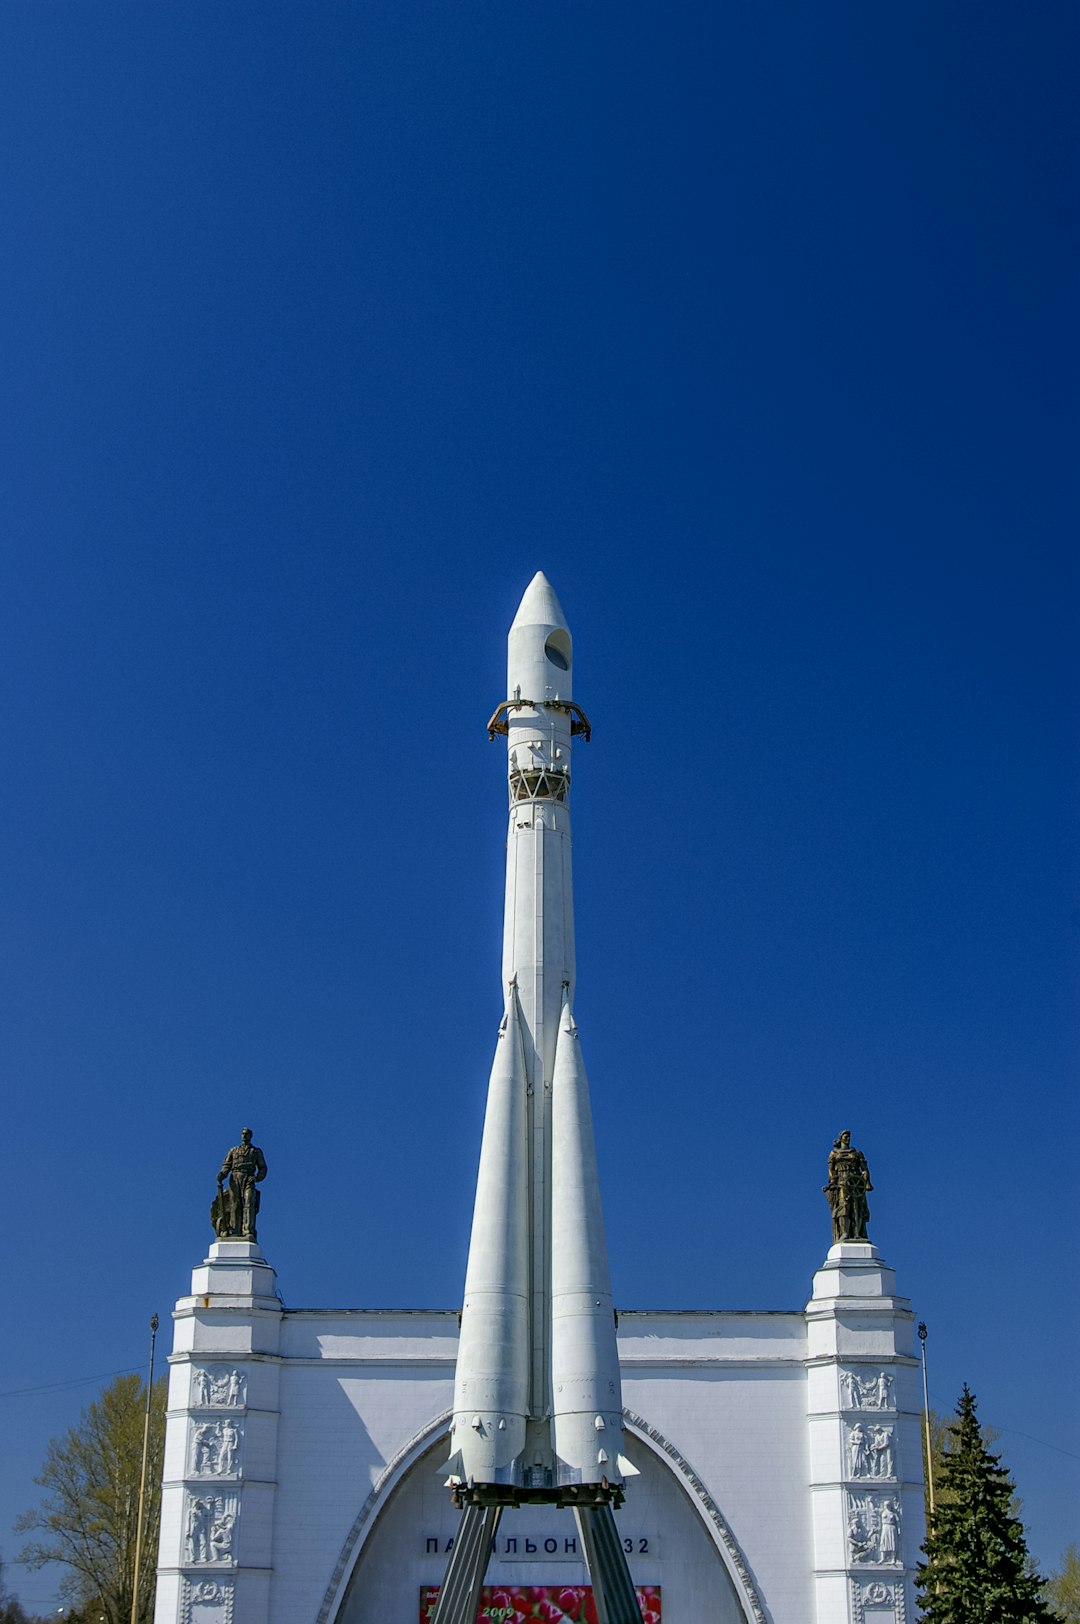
(244,1167)
(846,1191)
(198,1530)
(221,1535)
(230,1443)
(206,1448)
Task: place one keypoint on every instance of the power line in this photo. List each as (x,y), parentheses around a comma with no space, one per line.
(1030,1436)
(75,1381)
(999,1426)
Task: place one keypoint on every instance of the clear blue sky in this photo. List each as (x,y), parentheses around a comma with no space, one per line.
(324,326)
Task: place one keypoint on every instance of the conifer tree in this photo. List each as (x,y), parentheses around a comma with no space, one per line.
(977,1569)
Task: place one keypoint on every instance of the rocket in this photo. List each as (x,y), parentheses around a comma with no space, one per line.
(537,1394)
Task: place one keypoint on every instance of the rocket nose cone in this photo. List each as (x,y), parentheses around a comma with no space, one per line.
(539,606)
(539,648)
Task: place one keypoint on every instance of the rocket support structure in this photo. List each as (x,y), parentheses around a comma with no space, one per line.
(537,1396)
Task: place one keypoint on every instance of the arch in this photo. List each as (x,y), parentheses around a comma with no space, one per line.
(399,1466)
(727,1545)
(387,1480)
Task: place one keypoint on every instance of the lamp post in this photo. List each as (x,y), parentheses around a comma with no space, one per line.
(926,1419)
(142,1476)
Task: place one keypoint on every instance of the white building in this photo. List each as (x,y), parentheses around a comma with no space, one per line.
(780,1457)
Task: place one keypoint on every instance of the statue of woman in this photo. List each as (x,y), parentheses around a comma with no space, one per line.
(888,1535)
(846,1191)
(857,1456)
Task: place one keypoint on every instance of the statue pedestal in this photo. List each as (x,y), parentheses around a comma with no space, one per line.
(862,1394)
(853,1269)
(235,1269)
(220,1470)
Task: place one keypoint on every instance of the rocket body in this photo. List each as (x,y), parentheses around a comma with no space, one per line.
(537,1403)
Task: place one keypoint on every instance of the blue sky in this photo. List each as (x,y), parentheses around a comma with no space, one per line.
(324,327)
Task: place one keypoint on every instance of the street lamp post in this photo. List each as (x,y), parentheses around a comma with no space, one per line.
(142,1476)
(926,1420)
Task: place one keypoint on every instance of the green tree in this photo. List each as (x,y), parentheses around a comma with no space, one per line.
(941,1437)
(977,1569)
(1062,1591)
(88,1514)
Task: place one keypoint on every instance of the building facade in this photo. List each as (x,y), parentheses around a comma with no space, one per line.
(780,1459)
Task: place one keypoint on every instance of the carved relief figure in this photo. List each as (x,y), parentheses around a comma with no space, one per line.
(884,1391)
(235,1206)
(858,1461)
(228,1443)
(882,1454)
(200,1513)
(858,1537)
(873,1529)
(221,1536)
(204,1452)
(235,1385)
(202,1386)
(852,1389)
(889,1534)
(846,1191)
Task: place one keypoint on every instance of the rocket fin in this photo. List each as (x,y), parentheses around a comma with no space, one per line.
(491,1389)
(586,1385)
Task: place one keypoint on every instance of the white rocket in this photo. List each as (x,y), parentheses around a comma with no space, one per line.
(537,1399)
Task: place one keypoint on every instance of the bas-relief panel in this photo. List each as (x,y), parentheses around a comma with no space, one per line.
(215,1449)
(878,1601)
(859,1391)
(207,1601)
(870,1451)
(210,1529)
(873,1529)
(218,1388)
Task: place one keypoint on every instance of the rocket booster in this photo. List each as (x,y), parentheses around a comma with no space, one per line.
(537,1399)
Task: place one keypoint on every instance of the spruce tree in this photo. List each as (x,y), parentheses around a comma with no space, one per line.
(977,1569)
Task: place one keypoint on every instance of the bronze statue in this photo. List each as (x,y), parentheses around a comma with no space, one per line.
(846,1191)
(234,1209)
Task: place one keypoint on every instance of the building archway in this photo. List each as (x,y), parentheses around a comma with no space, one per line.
(679,1536)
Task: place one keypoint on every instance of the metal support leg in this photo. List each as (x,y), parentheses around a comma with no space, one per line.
(613,1588)
(459,1597)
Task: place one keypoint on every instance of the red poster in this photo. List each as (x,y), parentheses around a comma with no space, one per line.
(517,1604)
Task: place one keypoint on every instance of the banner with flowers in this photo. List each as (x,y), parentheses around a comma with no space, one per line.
(519,1604)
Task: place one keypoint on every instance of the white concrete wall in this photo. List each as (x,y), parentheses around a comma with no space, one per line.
(739,1422)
